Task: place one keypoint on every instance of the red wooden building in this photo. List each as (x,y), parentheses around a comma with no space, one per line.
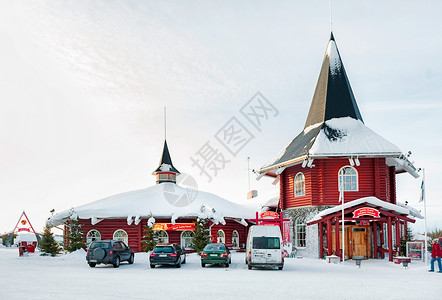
(170,208)
(336,152)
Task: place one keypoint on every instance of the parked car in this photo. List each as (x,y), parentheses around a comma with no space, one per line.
(264,247)
(109,252)
(216,254)
(167,254)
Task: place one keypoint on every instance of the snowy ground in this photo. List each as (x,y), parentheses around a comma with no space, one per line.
(69,277)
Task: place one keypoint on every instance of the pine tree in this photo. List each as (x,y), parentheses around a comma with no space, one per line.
(74,236)
(48,244)
(148,240)
(201,236)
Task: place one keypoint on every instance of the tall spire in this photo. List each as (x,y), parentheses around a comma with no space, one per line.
(166,172)
(333,96)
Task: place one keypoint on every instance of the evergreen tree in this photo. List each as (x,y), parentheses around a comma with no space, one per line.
(74,236)
(201,236)
(148,240)
(48,244)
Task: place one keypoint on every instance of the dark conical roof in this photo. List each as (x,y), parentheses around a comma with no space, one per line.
(333,96)
(166,162)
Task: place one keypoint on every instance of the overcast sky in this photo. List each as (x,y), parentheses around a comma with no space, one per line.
(83,85)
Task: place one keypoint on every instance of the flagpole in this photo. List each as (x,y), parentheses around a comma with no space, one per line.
(425,216)
(343,228)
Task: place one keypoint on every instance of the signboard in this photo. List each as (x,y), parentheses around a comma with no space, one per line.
(362,222)
(415,250)
(286,232)
(173,227)
(269,214)
(366,211)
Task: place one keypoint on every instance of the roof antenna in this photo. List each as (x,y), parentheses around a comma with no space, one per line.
(331,17)
(164,123)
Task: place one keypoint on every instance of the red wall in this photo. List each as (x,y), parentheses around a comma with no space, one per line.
(375,178)
(135,232)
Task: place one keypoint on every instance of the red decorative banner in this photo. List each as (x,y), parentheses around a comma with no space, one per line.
(172,227)
(269,214)
(286,232)
(366,211)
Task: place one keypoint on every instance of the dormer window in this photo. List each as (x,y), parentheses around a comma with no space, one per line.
(299,185)
(348,179)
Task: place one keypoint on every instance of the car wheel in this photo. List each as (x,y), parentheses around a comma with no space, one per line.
(131,259)
(179,264)
(92,265)
(203,264)
(116,264)
(152,266)
(227,265)
(249,266)
(99,253)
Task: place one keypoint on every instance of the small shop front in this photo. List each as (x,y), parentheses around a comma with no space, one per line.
(372,229)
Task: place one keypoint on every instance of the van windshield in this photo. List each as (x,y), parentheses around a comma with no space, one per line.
(265,243)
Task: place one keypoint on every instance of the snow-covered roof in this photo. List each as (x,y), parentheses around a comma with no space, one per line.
(264,201)
(369,201)
(166,200)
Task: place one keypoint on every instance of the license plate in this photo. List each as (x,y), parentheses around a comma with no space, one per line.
(93,260)
(163,255)
(213,254)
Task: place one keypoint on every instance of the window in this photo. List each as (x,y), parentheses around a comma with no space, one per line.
(92,235)
(348,178)
(220,237)
(121,235)
(235,239)
(186,239)
(300,232)
(266,243)
(299,185)
(162,237)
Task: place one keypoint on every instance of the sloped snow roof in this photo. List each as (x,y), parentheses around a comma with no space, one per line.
(370,201)
(162,200)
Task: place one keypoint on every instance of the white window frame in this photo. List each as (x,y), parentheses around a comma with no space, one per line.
(300,229)
(186,240)
(301,183)
(162,239)
(235,238)
(351,181)
(90,238)
(219,238)
(124,238)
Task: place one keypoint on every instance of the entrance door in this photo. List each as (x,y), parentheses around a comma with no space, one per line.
(359,241)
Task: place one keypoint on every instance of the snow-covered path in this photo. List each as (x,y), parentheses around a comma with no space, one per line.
(69,277)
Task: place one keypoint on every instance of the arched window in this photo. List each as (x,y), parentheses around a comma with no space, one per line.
(235,239)
(161,237)
(121,235)
(220,237)
(348,179)
(93,235)
(299,185)
(186,239)
(300,232)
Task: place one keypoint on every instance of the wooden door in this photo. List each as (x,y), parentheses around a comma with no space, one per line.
(347,241)
(359,240)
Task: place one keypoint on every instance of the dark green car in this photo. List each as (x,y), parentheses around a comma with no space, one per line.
(216,254)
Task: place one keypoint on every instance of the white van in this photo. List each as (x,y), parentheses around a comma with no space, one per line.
(264,247)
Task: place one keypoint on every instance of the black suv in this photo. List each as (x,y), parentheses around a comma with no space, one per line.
(167,254)
(109,252)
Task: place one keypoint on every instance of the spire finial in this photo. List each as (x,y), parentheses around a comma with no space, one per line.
(165,123)
(331,16)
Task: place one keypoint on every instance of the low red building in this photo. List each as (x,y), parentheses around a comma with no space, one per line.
(170,208)
(336,159)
